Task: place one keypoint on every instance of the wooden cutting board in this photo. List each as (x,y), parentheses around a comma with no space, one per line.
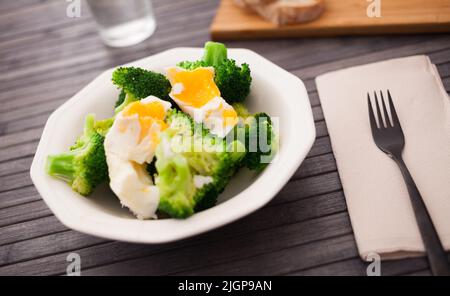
(341,17)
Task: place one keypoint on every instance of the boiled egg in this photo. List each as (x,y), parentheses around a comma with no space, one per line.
(197,94)
(133,186)
(135,132)
(129,145)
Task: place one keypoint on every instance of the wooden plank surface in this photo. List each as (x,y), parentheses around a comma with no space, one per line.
(341,17)
(46,57)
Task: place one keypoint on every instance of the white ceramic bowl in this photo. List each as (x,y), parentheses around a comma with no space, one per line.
(274,91)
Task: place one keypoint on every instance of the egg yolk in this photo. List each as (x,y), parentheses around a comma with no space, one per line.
(198,85)
(153,109)
(230,117)
(148,114)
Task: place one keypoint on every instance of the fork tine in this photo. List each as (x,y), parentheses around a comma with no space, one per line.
(385,112)
(394,116)
(380,119)
(373,123)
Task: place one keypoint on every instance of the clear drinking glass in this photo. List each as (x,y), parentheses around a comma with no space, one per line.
(123,22)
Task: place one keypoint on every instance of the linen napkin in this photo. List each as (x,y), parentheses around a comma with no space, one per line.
(377,199)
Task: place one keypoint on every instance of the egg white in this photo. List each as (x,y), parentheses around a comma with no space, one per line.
(123,137)
(133,186)
(210,114)
(126,156)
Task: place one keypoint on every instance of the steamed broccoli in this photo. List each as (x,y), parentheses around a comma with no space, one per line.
(198,153)
(138,83)
(241,110)
(84,166)
(217,160)
(260,141)
(260,138)
(174,182)
(233,81)
(103,126)
(120,99)
(188,65)
(180,122)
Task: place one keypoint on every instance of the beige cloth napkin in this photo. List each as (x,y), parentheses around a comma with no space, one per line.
(377,199)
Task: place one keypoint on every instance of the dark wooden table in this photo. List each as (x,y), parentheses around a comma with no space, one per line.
(46,57)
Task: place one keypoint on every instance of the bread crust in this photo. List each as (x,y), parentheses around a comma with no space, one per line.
(249,3)
(286,12)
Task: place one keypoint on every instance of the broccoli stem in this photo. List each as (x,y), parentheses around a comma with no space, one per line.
(241,110)
(89,123)
(175,185)
(128,99)
(61,166)
(120,99)
(215,53)
(84,166)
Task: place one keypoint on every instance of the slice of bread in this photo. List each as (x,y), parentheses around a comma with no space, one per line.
(249,3)
(285,12)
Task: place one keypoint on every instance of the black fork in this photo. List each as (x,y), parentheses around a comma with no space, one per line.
(388,136)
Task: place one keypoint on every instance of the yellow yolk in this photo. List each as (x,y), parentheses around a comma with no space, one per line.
(230,117)
(198,86)
(148,114)
(152,109)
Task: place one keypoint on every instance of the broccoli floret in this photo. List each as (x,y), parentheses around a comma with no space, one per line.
(260,140)
(120,99)
(180,122)
(138,83)
(233,81)
(84,166)
(188,65)
(207,154)
(215,159)
(103,126)
(206,197)
(203,154)
(174,181)
(206,157)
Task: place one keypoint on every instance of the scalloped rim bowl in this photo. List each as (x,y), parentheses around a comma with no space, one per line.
(274,91)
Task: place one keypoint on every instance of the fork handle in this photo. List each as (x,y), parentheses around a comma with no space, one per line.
(436,254)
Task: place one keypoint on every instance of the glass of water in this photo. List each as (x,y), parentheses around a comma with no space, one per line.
(123,22)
